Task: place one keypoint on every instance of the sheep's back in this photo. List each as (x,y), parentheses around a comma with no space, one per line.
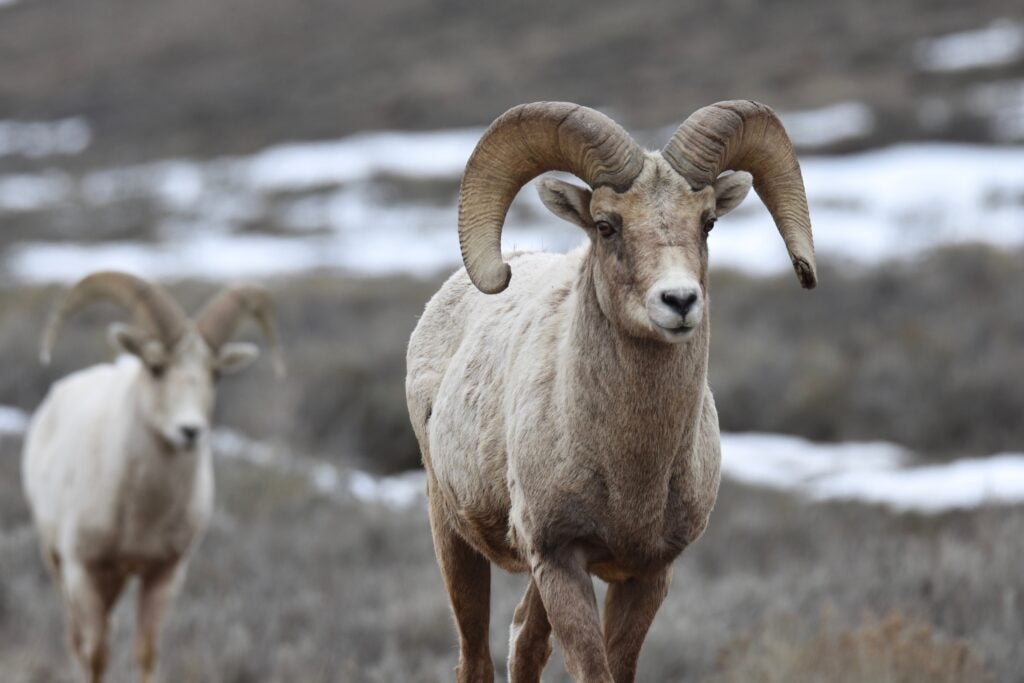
(465,359)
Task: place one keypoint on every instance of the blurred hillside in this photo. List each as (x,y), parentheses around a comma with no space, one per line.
(209,77)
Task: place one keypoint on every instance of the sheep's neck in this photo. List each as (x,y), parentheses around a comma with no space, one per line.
(148,452)
(154,487)
(640,396)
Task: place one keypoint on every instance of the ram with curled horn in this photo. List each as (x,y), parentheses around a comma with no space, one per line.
(117,466)
(565,422)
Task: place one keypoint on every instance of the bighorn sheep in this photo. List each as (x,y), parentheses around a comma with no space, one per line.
(117,466)
(565,423)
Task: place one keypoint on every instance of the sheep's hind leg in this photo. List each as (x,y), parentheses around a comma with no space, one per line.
(467,576)
(157,587)
(629,609)
(530,642)
(567,591)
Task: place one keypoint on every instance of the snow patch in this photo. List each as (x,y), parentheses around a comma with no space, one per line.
(967,483)
(416,155)
(31,192)
(1002,42)
(401,490)
(13,420)
(37,139)
(789,462)
(829,125)
(871,472)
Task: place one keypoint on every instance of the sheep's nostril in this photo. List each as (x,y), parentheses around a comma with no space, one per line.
(679,302)
(189,433)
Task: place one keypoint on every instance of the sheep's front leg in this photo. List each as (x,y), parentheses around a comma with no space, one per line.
(157,586)
(530,641)
(567,591)
(90,592)
(629,609)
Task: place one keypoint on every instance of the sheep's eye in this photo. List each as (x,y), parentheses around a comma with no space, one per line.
(709,224)
(157,371)
(605,228)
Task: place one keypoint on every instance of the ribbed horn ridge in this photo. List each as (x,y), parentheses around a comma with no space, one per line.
(150,306)
(741,135)
(222,314)
(522,143)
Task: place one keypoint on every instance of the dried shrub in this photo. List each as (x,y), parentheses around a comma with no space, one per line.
(890,649)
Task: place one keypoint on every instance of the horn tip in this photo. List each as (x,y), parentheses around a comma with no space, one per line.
(493,280)
(805,272)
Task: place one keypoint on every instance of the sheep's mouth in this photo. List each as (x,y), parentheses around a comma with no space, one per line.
(677,332)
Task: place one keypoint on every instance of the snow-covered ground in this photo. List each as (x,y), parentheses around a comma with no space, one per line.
(830,124)
(869,472)
(344,204)
(1002,42)
(12,420)
(36,139)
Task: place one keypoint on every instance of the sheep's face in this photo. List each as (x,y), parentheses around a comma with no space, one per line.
(650,245)
(178,385)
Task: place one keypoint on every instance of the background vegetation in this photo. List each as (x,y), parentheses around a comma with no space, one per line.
(292,586)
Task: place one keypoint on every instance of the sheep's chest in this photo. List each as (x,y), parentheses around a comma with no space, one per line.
(628,520)
(164,503)
(622,533)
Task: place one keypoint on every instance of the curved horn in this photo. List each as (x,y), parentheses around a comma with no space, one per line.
(150,306)
(741,135)
(219,318)
(521,144)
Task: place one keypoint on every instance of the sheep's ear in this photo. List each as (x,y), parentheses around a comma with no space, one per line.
(235,357)
(567,201)
(127,339)
(730,190)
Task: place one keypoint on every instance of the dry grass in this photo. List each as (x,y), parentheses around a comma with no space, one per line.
(291,586)
(891,649)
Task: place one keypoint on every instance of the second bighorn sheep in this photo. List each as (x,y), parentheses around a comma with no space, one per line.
(117,465)
(566,423)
